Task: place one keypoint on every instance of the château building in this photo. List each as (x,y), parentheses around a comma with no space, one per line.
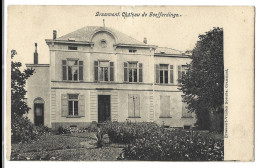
(99,74)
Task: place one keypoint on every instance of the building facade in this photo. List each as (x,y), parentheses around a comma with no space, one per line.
(99,74)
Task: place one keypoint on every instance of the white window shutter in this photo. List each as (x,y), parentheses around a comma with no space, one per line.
(64,105)
(81,106)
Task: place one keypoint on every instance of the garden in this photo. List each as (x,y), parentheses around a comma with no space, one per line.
(119,141)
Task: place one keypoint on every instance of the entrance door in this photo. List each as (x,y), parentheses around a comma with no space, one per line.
(104,108)
(38,114)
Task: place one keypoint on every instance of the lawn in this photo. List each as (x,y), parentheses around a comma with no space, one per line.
(72,147)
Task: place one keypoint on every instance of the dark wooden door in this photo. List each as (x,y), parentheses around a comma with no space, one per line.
(38,114)
(104,108)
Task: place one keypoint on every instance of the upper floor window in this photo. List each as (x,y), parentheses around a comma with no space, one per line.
(72,70)
(182,70)
(132,51)
(133,72)
(164,73)
(72,48)
(104,70)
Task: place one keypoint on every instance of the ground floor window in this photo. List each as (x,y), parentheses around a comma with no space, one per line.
(73,104)
(165,106)
(134,106)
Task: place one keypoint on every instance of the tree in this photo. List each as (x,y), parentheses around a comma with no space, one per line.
(18,80)
(202,85)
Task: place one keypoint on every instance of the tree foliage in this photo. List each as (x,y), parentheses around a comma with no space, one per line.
(202,85)
(18,92)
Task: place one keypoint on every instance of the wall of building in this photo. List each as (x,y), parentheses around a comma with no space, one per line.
(38,86)
(118,90)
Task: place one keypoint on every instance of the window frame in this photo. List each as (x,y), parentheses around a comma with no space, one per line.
(110,65)
(73,100)
(132,50)
(78,66)
(72,48)
(164,70)
(138,67)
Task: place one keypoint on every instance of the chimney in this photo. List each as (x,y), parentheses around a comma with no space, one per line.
(145,40)
(35,55)
(54,34)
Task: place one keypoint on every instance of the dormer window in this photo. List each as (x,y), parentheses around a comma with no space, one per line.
(72,48)
(132,51)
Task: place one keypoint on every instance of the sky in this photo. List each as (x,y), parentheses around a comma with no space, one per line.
(30,24)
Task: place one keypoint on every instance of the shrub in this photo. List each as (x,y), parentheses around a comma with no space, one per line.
(22,130)
(128,132)
(148,141)
(169,146)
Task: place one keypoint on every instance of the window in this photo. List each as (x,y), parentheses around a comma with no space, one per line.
(164,73)
(72,48)
(186,127)
(134,106)
(73,104)
(104,71)
(133,72)
(182,70)
(165,107)
(132,51)
(72,70)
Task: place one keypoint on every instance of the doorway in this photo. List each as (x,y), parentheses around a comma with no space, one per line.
(104,113)
(38,114)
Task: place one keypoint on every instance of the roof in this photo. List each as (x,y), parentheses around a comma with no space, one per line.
(85,34)
(165,50)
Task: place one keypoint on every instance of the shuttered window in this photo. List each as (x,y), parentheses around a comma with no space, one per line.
(165,106)
(133,72)
(134,106)
(72,105)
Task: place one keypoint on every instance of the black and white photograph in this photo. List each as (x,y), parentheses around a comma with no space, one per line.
(123,83)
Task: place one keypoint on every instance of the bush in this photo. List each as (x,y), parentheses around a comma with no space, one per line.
(128,132)
(148,141)
(22,130)
(169,146)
